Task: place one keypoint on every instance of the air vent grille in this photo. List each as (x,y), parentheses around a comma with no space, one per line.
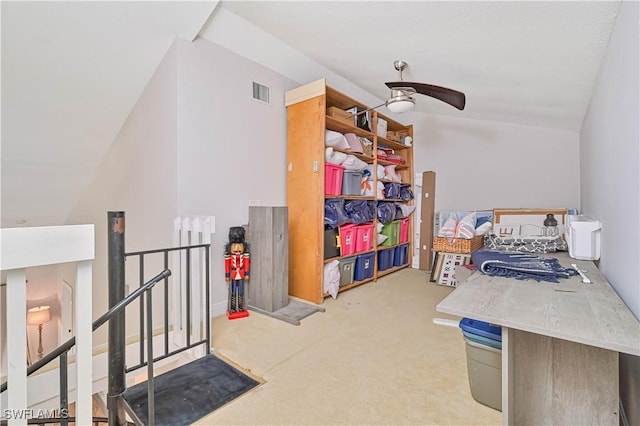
(260,92)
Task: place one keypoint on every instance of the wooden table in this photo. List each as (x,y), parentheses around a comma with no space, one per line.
(560,343)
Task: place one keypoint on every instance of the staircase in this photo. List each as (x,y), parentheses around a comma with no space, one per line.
(176,397)
(188,393)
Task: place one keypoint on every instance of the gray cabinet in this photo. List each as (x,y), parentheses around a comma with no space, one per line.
(269,283)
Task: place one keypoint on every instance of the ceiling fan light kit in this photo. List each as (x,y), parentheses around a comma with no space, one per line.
(401,99)
(401,91)
(400,102)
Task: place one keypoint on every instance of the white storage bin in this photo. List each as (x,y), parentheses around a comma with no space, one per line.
(484,366)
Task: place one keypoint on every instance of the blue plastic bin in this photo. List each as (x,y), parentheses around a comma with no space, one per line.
(385,259)
(481,328)
(401,255)
(364,266)
(482,340)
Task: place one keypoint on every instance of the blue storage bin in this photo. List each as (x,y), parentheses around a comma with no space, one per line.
(481,328)
(401,255)
(364,266)
(482,340)
(385,259)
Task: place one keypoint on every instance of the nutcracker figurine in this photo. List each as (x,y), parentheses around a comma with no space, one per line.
(236,271)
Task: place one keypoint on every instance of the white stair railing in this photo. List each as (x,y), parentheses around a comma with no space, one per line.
(190,230)
(22,248)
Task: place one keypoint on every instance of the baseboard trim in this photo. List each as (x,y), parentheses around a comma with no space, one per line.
(218,309)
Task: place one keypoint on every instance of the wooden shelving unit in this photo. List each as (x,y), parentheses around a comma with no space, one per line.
(306,124)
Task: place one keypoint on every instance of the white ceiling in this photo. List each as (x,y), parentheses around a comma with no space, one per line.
(72,71)
(522,62)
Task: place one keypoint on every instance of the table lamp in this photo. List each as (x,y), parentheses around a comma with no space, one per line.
(38,316)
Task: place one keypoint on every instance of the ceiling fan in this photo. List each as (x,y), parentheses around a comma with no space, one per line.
(401,99)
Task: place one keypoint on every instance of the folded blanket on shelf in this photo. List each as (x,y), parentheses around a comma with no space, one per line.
(520,266)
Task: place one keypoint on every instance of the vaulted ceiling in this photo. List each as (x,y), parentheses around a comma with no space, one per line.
(527,62)
(72,71)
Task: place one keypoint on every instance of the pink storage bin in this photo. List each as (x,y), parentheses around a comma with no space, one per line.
(347,239)
(364,237)
(404,230)
(333,179)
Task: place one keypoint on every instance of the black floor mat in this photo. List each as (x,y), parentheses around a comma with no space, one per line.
(190,392)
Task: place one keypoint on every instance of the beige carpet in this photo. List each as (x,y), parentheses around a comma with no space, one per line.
(373,358)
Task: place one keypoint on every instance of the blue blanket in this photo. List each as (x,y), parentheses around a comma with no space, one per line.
(520,266)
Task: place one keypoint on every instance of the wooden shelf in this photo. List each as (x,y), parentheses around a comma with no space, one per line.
(350,197)
(307,123)
(347,256)
(342,127)
(391,144)
(365,158)
(392,270)
(352,285)
(391,163)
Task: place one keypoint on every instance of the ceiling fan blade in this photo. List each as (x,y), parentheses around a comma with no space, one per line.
(450,96)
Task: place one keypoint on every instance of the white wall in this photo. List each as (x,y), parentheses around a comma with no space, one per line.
(481,165)
(196,143)
(42,289)
(247,40)
(138,176)
(610,172)
(197,132)
(231,148)
(610,155)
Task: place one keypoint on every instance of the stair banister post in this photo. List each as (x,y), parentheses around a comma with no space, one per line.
(116,354)
(17,343)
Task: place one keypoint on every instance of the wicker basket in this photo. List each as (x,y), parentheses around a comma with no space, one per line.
(457,245)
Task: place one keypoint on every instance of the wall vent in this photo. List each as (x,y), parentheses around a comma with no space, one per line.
(260,92)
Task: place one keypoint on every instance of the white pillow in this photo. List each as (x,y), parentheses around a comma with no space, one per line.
(368,188)
(390,173)
(483,229)
(466,227)
(332,278)
(379,170)
(406,209)
(335,139)
(449,228)
(353,163)
(334,157)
